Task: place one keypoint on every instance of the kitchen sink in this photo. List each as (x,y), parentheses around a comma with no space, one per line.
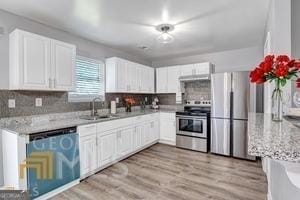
(98,117)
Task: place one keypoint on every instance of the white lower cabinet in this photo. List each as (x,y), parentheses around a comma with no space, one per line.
(137,137)
(104,143)
(154,130)
(124,138)
(168,128)
(88,154)
(146,134)
(107,147)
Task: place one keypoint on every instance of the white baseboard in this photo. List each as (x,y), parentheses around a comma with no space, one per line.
(172,143)
(58,190)
(269,196)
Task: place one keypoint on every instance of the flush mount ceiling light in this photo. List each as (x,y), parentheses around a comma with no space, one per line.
(165,37)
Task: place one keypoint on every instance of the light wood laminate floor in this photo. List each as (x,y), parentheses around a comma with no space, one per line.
(163,172)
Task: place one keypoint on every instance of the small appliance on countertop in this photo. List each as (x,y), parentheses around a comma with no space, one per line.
(155,103)
(193,126)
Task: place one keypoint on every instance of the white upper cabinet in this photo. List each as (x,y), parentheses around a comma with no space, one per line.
(63,64)
(173,79)
(127,77)
(167,78)
(203,68)
(40,63)
(162,80)
(187,70)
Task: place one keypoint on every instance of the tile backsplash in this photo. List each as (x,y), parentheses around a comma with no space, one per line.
(194,90)
(197,90)
(57,102)
(53,102)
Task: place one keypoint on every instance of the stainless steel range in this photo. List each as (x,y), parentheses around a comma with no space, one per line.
(193,126)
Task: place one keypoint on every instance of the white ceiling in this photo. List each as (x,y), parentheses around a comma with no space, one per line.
(201,26)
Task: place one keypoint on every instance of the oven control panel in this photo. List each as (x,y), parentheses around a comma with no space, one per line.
(204,103)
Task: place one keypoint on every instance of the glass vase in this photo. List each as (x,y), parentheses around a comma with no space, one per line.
(296,98)
(277,105)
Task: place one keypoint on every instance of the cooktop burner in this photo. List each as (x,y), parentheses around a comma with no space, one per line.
(195,111)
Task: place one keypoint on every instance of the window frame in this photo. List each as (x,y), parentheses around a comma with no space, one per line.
(87,98)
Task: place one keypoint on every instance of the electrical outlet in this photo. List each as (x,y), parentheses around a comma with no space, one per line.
(11,103)
(38,102)
(117,100)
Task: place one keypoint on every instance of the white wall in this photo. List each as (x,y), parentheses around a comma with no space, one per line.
(295,33)
(279,27)
(226,61)
(84,47)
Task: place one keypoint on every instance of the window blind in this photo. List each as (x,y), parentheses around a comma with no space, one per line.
(89,80)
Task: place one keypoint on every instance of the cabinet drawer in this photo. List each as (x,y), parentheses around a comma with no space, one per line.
(86,130)
(114,124)
(170,116)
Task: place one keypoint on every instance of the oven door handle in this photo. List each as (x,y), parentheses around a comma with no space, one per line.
(181,117)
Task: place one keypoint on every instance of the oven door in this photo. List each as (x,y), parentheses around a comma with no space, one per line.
(191,126)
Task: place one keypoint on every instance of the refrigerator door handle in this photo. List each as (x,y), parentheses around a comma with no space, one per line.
(231,129)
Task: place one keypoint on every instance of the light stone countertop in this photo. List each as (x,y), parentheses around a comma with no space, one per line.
(71,121)
(276,140)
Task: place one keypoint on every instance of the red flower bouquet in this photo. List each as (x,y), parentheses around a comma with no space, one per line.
(279,69)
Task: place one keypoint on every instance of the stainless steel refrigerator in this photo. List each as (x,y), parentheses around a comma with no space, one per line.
(231,102)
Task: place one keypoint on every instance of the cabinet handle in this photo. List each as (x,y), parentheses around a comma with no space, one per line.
(50,83)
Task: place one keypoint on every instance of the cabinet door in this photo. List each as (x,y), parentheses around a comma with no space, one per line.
(88,154)
(168,130)
(63,65)
(121,74)
(137,137)
(35,62)
(140,82)
(154,130)
(146,134)
(150,80)
(162,80)
(202,68)
(187,70)
(125,142)
(173,79)
(145,79)
(133,77)
(107,148)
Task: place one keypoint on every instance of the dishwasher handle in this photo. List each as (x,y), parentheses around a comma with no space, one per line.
(52,133)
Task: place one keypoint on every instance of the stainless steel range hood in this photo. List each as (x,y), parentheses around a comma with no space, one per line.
(194,78)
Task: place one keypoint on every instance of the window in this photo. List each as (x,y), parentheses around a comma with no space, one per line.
(89,80)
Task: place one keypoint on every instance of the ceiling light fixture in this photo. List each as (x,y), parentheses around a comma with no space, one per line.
(165,37)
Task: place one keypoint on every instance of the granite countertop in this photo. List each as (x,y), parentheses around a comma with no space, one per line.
(280,141)
(26,129)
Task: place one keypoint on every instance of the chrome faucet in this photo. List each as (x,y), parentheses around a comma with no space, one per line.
(94,111)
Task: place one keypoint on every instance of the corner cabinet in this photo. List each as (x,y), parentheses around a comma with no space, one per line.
(123,76)
(40,63)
